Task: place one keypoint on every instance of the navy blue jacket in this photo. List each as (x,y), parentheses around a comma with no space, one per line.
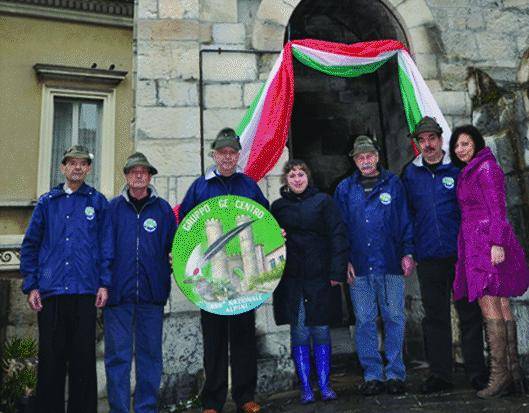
(140,271)
(317,252)
(378,225)
(67,248)
(212,185)
(433,207)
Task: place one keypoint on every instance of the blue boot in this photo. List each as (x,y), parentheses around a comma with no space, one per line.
(322,354)
(301,356)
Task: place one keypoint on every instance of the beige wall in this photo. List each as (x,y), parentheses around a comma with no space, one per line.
(14,220)
(23,43)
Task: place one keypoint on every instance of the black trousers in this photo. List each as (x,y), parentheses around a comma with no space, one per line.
(239,332)
(435,279)
(67,344)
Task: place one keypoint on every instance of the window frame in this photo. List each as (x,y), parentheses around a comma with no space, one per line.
(108,123)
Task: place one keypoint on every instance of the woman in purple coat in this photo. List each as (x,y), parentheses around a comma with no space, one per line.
(491,264)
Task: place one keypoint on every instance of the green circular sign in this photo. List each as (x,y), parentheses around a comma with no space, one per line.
(228,255)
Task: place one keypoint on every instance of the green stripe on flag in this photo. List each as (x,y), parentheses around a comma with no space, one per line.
(409,100)
(249,113)
(340,71)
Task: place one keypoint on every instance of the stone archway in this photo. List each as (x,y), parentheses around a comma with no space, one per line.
(330,112)
(273,24)
(414,17)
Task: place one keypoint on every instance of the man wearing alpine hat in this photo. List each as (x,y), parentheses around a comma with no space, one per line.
(219,331)
(65,260)
(430,181)
(375,211)
(143,226)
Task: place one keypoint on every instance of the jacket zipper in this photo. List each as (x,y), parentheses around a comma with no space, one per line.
(138,254)
(138,258)
(138,213)
(435,213)
(226,189)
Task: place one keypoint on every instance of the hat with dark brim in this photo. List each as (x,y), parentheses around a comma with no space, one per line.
(226,138)
(77,151)
(427,124)
(363,144)
(138,159)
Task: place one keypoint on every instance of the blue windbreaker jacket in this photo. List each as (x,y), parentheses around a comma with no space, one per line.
(67,248)
(141,272)
(433,207)
(378,225)
(212,185)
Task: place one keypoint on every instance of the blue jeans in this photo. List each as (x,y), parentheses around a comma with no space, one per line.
(300,334)
(138,326)
(388,291)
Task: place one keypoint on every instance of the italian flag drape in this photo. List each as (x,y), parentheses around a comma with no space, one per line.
(264,128)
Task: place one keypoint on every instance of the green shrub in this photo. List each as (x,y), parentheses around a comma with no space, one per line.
(19,366)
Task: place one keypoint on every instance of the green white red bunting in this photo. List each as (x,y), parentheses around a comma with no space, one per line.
(264,128)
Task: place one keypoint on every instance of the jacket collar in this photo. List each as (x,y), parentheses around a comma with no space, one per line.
(212,172)
(482,156)
(384,176)
(307,193)
(58,190)
(125,194)
(418,160)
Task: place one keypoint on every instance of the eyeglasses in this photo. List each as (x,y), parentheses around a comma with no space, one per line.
(227,154)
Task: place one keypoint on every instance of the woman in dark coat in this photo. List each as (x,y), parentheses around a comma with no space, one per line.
(317,252)
(491,264)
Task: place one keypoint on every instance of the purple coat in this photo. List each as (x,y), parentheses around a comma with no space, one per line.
(481,197)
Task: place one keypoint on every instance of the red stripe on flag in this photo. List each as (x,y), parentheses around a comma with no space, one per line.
(362,49)
(272,132)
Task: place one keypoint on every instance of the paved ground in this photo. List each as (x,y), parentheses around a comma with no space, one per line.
(462,399)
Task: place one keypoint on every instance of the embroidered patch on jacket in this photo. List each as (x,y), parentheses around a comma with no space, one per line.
(150,225)
(448,182)
(385,198)
(90,213)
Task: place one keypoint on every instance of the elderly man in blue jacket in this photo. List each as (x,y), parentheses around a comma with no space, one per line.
(375,211)
(65,260)
(219,331)
(430,181)
(143,226)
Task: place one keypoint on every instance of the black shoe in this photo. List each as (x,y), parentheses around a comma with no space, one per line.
(395,386)
(434,384)
(480,382)
(372,388)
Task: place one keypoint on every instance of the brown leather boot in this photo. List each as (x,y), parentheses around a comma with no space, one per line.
(500,377)
(514,365)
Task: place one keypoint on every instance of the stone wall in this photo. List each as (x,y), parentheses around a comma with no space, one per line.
(482,49)
(446,38)
(501,115)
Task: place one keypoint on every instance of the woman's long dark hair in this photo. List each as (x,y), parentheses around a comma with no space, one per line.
(475,135)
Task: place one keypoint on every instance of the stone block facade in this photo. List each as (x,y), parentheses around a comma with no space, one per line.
(187,89)
(229,33)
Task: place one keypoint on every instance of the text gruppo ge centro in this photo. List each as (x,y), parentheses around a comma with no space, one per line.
(193,217)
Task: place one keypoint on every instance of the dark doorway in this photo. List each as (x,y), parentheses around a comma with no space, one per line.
(329,112)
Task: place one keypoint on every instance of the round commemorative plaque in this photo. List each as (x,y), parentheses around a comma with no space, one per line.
(228,255)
